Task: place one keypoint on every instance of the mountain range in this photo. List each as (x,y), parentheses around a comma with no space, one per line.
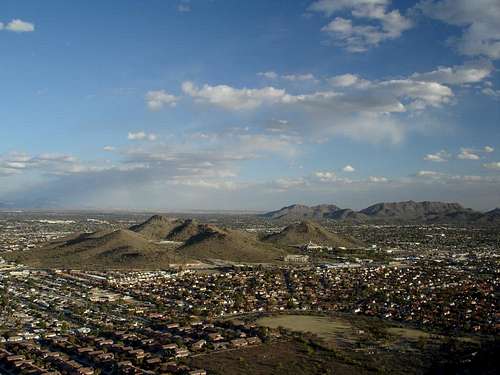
(390,212)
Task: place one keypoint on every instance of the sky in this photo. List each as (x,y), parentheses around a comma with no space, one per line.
(248,105)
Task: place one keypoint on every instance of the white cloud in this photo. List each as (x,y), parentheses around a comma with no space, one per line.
(288,77)
(109,148)
(479,18)
(371,97)
(286,183)
(18,26)
(47,163)
(492,165)
(329,7)
(439,157)
(349,168)
(141,135)
(361,112)
(488,149)
(234,99)
(491,92)
(156,100)
(326,176)
(377,179)
(347,80)
(268,75)
(468,154)
(254,144)
(470,72)
(300,77)
(184,6)
(379,24)
(428,174)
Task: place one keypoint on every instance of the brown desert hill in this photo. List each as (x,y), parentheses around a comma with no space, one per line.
(307,231)
(129,249)
(157,227)
(120,249)
(185,230)
(227,244)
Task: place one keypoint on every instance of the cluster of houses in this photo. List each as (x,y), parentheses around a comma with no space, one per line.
(140,350)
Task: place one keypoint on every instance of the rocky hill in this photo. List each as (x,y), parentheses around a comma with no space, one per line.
(212,242)
(307,231)
(157,227)
(120,249)
(185,230)
(143,247)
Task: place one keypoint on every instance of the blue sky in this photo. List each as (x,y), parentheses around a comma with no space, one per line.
(200,104)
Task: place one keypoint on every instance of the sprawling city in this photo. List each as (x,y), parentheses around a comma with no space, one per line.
(264,187)
(404,297)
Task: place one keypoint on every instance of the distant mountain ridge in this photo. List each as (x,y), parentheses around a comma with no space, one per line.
(390,212)
(299,211)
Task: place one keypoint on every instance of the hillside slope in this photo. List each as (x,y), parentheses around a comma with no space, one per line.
(157,227)
(121,249)
(307,231)
(214,243)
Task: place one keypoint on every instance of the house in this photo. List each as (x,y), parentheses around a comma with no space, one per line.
(198,345)
(239,343)
(293,258)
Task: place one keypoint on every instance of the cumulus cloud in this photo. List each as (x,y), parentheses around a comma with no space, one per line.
(488,149)
(478,18)
(347,80)
(109,148)
(439,157)
(360,111)
(232,98)
(468,154)
(326,176)
(141,136)
(375,23)
(349,168)
(470,72)
(157,100)
(18,26)
(373,97)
